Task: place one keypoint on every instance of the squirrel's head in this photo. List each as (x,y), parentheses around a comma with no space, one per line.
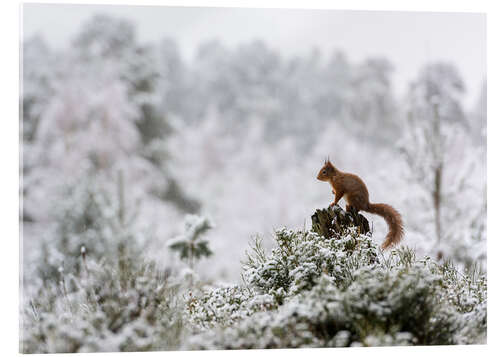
(327,171)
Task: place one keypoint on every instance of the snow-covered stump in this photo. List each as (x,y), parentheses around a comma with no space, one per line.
(333,221)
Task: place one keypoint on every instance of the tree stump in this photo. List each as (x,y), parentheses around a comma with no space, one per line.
(334,221)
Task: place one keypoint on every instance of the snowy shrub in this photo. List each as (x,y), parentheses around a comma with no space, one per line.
(364,314)
(223,306)
(321,292)
(301,257)
(133,307)
(94,218)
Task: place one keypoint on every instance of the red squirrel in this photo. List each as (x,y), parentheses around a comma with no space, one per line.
(356,194)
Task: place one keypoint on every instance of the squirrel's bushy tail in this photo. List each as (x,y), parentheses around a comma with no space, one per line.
(393,220)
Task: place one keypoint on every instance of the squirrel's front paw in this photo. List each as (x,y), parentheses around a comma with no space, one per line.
(332,204)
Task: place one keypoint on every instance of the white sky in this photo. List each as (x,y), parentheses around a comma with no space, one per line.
(407,39)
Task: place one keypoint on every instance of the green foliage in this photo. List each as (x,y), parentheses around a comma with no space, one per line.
(196,249)
(189,245)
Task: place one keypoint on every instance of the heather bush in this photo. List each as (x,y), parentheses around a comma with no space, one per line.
(130,307)
(319,292)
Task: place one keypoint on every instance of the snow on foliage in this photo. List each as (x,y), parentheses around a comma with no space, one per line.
(309,291)
(189,245)
(128,307)
(331,293)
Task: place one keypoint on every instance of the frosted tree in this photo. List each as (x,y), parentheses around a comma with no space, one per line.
(434,100)
(302,95)
(293,97)
(441,159)
(105,41)
(103,114)
(88,125)
(477,117)
(175,86)
(155,82)
(333,98)
(241,83)
(39,72)
(372,107)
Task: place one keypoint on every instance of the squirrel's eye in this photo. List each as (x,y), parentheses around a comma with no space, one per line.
(324,172)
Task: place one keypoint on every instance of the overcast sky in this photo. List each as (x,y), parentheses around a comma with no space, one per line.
(407,39)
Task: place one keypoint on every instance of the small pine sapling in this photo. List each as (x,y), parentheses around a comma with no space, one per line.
(189,244)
